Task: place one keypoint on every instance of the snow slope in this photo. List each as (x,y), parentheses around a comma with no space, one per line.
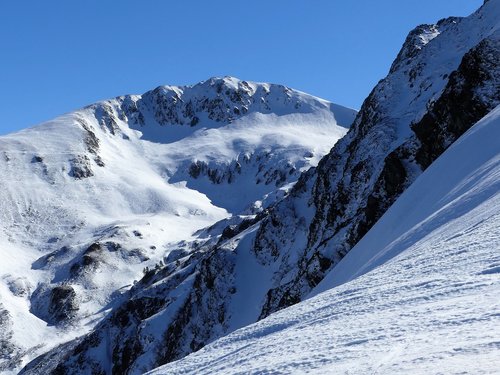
(418,294)
(91,199)
(445,79)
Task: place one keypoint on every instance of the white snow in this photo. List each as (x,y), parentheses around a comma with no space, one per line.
(418,294)
(246,305)
(143,198)
(445,47)
(287,138)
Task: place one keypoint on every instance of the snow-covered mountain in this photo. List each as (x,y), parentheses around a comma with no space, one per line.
(92,200)
(418,294)
(240,270)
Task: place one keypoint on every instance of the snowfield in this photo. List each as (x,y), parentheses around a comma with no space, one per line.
(418,294)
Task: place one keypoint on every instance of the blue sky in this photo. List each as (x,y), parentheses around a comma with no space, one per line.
(60,55)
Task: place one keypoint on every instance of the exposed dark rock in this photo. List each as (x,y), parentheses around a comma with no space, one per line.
(216,174)
(7,349)
(56,304)
(90,140)
(222,103)
(129,314)
(130,111)
(463,103)
(346,203)
(80,167)
(89,262)
(113,246)
(203,313)
(136,310)
(106,117)
(194,121)
(232,231)
(63,304)
(99,161)
(414,41)
(269,172)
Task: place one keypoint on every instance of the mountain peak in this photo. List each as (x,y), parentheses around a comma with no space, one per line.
(228,81)
(224,100)
(418,38)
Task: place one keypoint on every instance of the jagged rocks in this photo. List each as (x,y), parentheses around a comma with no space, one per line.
(81,167)
(193,326)
(89,262)
(90,139)
(130,112)
(216,174)
(473,90)
(56,305)
(416,40)
(63,304)
(372,165)
(106,118)
(232,231)
(91,142)
(173,310)
(131,313)
(264,166)
(224,100)
(37,159)
(6,347)
(92,229)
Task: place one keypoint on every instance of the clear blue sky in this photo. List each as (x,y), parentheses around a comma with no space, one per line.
(59,55)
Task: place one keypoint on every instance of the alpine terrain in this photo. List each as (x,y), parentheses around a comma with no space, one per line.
(96,199)
(417,295)
(142,229)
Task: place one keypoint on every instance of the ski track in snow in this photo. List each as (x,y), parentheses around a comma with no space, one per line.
(426,301)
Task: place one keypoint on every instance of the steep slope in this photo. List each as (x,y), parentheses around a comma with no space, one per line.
(445,79)
(418,294)
(92,200)
(241,270)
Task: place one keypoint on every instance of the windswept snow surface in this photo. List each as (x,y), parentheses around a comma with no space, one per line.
(419,294)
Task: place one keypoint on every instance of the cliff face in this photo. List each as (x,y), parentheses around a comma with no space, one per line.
(431,96)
